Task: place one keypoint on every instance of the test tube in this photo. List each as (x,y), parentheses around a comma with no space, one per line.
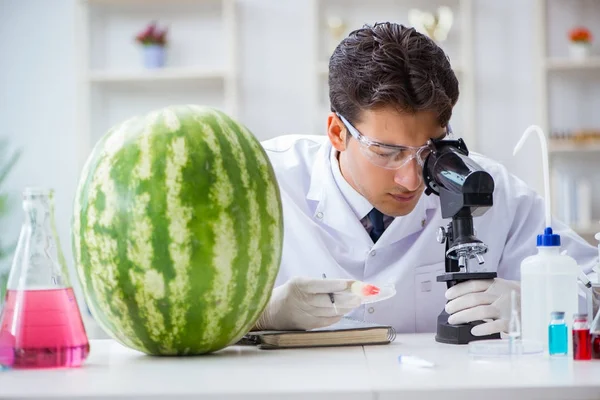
(514,326)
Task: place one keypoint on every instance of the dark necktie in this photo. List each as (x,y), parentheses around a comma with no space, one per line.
(376,218)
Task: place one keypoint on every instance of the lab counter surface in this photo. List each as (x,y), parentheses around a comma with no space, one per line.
(371,372)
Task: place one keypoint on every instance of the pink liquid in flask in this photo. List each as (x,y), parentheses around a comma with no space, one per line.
(47,332)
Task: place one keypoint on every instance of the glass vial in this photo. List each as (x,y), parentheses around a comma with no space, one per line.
(40,325)
(558,342)
(582,343)
(514,325)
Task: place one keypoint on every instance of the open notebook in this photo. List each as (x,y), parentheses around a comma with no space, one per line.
(347,332)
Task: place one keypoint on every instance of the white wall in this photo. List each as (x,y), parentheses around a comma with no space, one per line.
(505,85)
(37,90)
(37,97)
(275,51)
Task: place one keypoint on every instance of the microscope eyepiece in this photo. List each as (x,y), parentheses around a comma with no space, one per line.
(457,179)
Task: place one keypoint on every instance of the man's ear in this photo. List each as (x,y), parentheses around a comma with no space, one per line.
(336,131)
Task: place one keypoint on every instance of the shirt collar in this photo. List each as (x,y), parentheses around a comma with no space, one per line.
(359,205)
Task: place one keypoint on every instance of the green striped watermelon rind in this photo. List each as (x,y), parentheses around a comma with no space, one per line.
(161,199)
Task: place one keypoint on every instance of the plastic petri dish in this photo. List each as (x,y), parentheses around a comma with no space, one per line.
(386,291)
(501,348)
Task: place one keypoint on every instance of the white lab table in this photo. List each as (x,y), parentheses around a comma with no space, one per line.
(244,372)
(458,375)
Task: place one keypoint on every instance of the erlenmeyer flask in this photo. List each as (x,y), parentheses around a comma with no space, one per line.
(40,325)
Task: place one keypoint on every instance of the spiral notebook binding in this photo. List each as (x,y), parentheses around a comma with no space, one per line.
(392,334)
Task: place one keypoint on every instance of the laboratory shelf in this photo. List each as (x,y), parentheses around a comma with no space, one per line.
(163,74)
(566,64)
(560,146)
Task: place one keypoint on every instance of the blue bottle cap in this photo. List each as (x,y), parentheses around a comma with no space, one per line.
(548,238)
(557,315)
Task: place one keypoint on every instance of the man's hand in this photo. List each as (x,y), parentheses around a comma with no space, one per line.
(482,300)
(304,303)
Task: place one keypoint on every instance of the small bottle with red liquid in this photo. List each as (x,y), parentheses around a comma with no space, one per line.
(40,324)
(582,344)
(595,337)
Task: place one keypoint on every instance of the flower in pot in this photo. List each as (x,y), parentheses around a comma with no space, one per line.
(154,42)
(580,42)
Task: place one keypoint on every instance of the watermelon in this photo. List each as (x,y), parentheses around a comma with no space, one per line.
(177,231)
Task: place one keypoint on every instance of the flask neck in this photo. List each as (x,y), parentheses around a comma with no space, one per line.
(38,206)
(38,262)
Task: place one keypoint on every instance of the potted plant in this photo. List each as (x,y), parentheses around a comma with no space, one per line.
(154,42)
(580,42)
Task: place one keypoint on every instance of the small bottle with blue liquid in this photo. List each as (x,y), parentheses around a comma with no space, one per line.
(558,340)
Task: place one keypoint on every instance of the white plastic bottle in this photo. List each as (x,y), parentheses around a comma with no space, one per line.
(549,282)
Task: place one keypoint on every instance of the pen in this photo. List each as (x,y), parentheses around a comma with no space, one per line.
(331,297)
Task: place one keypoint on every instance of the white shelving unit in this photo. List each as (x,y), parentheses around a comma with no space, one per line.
(355,13)
(568,97)
(557,147)
(561,64)
(164,74)
(112,82)
(113,85)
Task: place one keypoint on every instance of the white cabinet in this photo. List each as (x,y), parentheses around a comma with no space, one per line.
(113,84)
(568,110)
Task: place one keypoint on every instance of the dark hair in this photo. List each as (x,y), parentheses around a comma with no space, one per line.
(389,64)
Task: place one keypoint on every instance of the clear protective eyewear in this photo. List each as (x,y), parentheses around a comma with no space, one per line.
(390,156)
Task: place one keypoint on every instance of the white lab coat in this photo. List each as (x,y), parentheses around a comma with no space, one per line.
(323,235)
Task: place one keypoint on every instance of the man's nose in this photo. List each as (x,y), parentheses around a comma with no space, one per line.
(410,175)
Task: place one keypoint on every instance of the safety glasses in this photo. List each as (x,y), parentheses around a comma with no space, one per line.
(390,156)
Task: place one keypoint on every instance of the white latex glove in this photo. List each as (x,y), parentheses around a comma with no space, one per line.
(479,299)
(304,303)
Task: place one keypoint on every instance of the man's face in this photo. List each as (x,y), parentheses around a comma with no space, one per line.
(394,192)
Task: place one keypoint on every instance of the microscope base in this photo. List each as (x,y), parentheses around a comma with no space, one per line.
(460,334)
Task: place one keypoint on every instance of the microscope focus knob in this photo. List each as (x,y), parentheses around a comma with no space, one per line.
(441,235)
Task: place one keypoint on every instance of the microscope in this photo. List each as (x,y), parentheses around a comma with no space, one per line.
(465,191)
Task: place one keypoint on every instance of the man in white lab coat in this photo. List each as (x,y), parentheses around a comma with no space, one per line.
(354,203)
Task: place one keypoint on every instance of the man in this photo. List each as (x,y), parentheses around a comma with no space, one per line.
(354,207)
